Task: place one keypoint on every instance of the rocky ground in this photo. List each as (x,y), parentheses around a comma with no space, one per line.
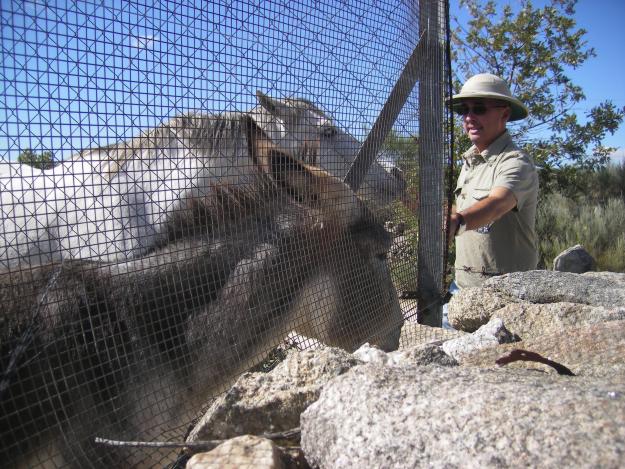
(534,376)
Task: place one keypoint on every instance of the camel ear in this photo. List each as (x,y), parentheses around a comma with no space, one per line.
(276,163)
(309,185)
(265,101)
(275,107)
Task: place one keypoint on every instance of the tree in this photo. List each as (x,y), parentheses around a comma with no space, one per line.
(533,49)
(44,160)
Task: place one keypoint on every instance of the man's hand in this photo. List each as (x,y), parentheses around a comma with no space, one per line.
(454,222)
(499,202)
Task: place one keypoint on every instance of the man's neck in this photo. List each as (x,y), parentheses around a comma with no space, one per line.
(484,146)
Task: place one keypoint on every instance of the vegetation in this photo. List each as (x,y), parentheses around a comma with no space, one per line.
(403,217)
(591,213)
(562,223)
(43,160)
(534,49)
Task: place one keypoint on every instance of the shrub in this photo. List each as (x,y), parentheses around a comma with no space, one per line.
(403,255)
(563,222)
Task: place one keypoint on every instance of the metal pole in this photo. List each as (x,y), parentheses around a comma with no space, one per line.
(430,268)
(385,121)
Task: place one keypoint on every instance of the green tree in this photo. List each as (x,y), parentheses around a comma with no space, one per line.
(44,160)
(534,49)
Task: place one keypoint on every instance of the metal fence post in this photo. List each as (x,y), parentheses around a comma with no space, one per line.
(430,266)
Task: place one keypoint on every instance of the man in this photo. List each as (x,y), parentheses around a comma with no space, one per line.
(497,190)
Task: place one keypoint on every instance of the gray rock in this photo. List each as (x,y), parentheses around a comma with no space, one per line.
(245,452)
(423,355)
(491,334)
(605,289)
(471,308)
(413,334)
(368,354)
(587,350)
(574,259)
(529,320)
(435,417)
(614,277)
(271,402)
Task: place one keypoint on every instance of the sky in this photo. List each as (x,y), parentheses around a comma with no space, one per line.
(602,77)
(98,71)
(93,72)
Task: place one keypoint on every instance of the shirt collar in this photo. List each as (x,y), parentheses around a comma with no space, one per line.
(472,156)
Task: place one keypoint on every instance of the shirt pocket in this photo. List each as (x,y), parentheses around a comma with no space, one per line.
(479,194)
(460,183)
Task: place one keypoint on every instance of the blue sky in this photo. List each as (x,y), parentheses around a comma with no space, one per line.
(603,77)
(113,68)
(96,72)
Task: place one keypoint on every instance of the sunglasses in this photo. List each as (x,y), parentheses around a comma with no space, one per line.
(462,109)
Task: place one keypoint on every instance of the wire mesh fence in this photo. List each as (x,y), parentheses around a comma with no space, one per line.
(173,205)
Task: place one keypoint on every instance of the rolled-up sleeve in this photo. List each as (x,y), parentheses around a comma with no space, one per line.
(517,173)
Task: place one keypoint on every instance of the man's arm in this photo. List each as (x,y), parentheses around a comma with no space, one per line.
(500,201)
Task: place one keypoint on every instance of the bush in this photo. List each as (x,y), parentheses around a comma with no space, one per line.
(562,222)
(403,254)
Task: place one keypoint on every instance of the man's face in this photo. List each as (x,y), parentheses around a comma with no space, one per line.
(483,129)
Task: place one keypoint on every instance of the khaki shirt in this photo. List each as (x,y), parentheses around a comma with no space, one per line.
(508,244)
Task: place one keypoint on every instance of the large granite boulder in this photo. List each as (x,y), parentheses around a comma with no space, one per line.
(415,334)
(473,307)
(545,286)
(490,334)
(587,350)
(435,417)
(272,402)
(528,320)
(243,452)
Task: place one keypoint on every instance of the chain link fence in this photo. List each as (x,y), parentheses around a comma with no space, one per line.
(176,204)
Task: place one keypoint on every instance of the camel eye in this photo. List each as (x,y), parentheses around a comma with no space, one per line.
(329,131)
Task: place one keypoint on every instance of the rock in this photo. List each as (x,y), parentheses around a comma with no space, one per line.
(529,320)
(435,417)
(614,277)
(575,259)
(413,334)
(422,355)
(368,354)
(271,402)
(544,286)
(471,308)
(247,451)
(587,350)
(493,333)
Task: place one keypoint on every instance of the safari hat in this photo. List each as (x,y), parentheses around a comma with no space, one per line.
(485,85)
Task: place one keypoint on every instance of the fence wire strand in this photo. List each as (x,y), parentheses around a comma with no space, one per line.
(174,212)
